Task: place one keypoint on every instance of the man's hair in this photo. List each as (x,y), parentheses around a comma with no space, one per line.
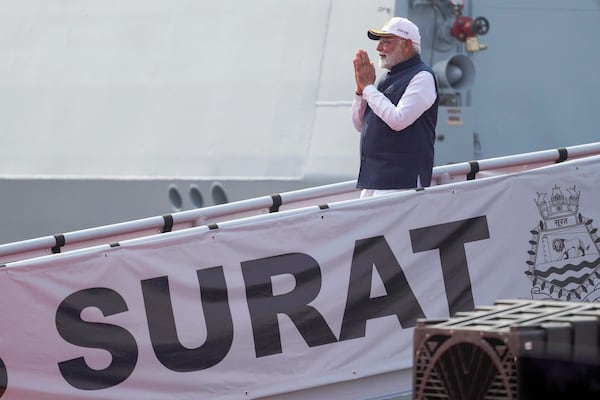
(416,47)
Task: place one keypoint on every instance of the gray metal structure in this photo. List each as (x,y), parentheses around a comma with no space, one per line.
(534,81)
(119,110)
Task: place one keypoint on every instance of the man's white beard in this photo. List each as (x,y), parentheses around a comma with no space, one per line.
(389,61)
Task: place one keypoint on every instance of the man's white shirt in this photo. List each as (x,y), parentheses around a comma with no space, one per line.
(419,96)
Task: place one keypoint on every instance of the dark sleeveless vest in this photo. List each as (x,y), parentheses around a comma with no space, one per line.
(390,159)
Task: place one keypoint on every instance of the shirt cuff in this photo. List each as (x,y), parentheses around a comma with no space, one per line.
(369,89)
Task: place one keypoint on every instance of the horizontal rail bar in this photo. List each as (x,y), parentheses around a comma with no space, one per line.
(272,203)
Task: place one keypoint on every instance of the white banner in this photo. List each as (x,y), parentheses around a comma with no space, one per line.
(289,301)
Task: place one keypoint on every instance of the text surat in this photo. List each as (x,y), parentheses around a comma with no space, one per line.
(264,306)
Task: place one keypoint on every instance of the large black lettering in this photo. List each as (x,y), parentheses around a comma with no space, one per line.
(3,378)
(264,305)
(450,239)
(163,332)
(360,307)
(114,339)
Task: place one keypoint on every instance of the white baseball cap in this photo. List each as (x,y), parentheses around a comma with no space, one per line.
(397,26)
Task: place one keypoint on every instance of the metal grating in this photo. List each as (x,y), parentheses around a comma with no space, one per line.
(480,355)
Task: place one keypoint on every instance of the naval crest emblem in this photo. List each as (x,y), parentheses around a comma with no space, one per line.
(564,258)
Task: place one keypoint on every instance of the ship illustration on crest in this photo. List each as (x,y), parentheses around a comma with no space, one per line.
(564,259)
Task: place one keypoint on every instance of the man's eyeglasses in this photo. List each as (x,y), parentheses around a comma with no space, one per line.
(387,41)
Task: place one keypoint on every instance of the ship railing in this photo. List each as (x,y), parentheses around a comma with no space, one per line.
(442,175)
